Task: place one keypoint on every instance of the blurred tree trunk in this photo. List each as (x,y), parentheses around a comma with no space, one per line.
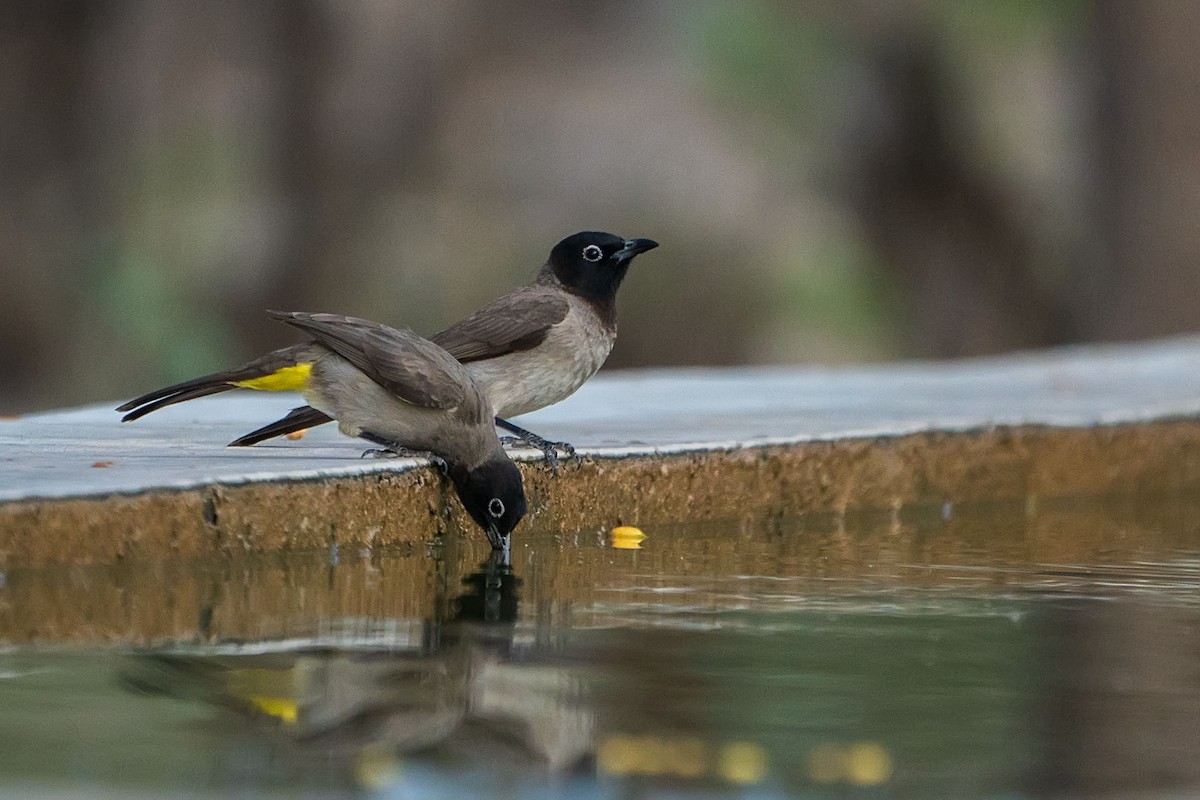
(304,57)
(1120,699)
(1148,174)
(44,194)
(358,124)
(965,265)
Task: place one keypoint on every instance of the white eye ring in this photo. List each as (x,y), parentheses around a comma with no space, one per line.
(496,507)
(592,253)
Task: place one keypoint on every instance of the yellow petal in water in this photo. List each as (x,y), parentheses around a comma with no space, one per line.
(862,764)
(619,755)
(688,758)
(627,537)
(377,767)
(281,707)
(743,762)
(870,764)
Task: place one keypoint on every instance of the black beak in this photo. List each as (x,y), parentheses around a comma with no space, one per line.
(500,556)
(633,247)
(498,540)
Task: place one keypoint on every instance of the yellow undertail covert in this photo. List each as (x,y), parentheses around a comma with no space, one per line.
(285,379)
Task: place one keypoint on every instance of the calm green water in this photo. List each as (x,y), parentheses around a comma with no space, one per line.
(1030,649)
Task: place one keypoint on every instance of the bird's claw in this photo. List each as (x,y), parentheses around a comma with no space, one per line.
(550,453)
(434,460)
(549,449)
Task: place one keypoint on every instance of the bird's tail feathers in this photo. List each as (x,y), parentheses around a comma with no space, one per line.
(298,419)
(282,370)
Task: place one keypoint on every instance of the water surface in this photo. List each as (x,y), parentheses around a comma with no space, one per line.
(1017,649)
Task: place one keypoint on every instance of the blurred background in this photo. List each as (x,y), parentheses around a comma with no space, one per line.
(831,180)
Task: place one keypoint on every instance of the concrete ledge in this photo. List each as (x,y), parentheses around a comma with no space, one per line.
(664,445)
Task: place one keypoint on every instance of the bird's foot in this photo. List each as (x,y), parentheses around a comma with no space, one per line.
(549,449)
(403,452)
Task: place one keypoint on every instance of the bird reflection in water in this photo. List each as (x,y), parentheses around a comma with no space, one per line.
(462,696)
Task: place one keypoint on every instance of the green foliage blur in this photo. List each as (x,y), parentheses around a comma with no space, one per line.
(830,182)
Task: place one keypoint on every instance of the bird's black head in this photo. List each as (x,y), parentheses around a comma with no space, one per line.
(493,495)
(592,265)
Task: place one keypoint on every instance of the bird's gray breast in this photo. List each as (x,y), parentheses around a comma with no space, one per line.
(525,381)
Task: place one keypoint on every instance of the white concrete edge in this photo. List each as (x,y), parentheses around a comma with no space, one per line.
(403,465)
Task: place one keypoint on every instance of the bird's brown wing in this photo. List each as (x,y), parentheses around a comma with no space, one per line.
(517,321)
(414,369)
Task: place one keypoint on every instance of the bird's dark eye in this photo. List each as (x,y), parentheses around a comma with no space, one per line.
(496,507)
(592,253)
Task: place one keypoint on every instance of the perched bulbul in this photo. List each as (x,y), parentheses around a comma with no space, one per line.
(526,350)
(395,389)
(539,343)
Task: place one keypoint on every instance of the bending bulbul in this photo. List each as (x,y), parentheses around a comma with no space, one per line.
(395,389)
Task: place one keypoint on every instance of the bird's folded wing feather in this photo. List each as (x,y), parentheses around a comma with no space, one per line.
(518,321)
(414,369)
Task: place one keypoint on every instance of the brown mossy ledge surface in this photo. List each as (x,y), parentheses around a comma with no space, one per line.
(386,509)
(662,446)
